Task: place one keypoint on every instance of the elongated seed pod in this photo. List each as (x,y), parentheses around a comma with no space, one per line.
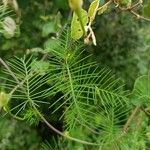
(75,4)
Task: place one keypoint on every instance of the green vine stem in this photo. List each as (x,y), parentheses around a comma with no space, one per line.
(62,134)
(14,116)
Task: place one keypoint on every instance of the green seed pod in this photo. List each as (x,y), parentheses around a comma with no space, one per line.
(4,98)
(75,4)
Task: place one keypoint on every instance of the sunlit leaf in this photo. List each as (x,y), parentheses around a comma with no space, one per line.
(102,9)
(76,28)
(93,9)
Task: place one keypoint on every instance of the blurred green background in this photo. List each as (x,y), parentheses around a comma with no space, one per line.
(123,45)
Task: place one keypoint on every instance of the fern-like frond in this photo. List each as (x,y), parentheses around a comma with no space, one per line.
(92,98)
(54,145)
(27,89)
(89,99)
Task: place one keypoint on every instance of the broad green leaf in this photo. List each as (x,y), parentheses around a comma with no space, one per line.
(93,10)
(141,91)
(146,10)
(76,28)
(102,10)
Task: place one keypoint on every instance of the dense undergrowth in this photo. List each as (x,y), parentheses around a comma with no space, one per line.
(91,97)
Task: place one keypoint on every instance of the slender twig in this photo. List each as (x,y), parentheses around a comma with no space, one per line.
(139,16)
(131,10)
(106,4)
(14,116)
(138,122)
(137,4)
(147,113)
(19,84)
(60,133)
(9,70)
(131,118)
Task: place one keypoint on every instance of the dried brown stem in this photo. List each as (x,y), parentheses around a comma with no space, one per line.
(131,10)
(139,16)
(131,118)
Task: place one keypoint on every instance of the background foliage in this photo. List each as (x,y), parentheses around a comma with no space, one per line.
(123,45)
